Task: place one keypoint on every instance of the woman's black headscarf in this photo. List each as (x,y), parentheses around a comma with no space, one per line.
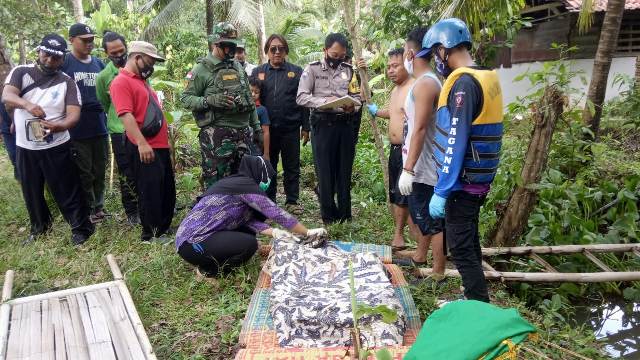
(253,170)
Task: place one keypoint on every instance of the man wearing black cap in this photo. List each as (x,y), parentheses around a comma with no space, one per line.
(47,104)
(89,138)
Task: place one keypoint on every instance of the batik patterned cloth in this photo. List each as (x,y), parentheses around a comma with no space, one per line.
(311,297)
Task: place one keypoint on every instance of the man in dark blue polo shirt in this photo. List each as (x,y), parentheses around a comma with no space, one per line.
(89,137)
(278,80)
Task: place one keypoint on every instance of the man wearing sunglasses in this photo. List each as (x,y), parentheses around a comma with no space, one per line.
(47,104)
(89,138)
(278,80)
(219,95)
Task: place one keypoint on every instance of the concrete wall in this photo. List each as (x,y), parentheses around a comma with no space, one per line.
(511,89)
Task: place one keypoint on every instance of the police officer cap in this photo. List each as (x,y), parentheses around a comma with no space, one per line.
(224,32)
(448,33)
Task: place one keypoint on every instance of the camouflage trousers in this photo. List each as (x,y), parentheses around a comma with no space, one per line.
(221,149)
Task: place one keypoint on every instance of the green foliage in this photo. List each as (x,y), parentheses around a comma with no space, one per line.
(625,109)
(128,24)
(31,20)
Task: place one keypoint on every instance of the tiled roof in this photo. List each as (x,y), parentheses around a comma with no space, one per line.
(601,5)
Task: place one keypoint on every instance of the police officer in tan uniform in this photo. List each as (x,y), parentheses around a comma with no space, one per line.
(332,130)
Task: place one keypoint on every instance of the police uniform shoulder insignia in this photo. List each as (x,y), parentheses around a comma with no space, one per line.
(347,65)
(344,75)
(291,74)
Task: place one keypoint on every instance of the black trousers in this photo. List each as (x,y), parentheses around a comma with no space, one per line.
(286,143)
(127,185)
(333,146)
(156,191)
(463,240)
(56,168)
(222,251)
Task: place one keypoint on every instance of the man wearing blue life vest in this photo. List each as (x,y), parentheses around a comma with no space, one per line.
(467,145)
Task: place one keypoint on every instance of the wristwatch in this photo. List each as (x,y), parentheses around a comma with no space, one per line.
(204,102)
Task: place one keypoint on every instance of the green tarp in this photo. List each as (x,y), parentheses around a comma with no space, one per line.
(468,329)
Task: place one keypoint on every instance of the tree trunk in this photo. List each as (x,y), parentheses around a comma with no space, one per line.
(130,5)
(366,92)
(78,12)
(22,51)
(209,16)
(262,33)
(606,47)
(512,222)
(637,83)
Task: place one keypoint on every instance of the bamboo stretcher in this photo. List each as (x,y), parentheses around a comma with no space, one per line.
(97,321)
(550,274)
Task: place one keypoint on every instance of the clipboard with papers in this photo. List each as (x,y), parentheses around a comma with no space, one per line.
(340,102)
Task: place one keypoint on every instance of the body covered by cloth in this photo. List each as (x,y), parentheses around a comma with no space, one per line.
(311,297)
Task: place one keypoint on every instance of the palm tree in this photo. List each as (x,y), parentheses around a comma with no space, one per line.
(78,11)
(606,47)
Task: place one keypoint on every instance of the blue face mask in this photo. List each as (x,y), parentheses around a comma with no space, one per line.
(441,65)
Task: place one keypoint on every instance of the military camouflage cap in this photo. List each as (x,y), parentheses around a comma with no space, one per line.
(224,32)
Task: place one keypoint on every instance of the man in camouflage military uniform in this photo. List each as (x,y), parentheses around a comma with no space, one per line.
(218,93)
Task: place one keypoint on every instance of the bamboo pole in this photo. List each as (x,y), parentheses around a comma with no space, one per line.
(547,277)
(351,13)
(560,250)
(543,262)
(61,293)
(5,312)
(596,261)
(131,309)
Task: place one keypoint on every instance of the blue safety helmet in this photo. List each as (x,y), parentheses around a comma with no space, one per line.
(448,33)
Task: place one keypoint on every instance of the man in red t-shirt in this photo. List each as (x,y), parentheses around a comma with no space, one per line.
(147,142)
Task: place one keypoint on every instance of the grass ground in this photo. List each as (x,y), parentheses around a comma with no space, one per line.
(186,318)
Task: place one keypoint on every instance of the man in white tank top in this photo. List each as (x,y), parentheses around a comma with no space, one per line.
(419,174)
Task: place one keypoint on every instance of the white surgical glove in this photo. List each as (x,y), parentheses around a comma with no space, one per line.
(405,183)
(317,232)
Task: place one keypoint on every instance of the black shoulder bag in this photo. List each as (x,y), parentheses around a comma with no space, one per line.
(153,118)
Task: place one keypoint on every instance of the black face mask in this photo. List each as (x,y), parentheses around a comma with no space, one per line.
(47,70)
(145,71)
(228,52)
(333,63)
(119,61)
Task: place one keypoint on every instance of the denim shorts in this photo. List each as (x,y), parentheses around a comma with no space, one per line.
(419,210)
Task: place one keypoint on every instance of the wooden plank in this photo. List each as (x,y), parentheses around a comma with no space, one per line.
(486,266)
(70,341)
(543,262)
(35,319)
(547,277)
(100,327)
(25,333)
(596,261)
(115,270)
(125,325)
(5,312)
(135,320)
(58,331)
(85,323)
(117,339)
(13,344)
(61,293)
(47,348)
